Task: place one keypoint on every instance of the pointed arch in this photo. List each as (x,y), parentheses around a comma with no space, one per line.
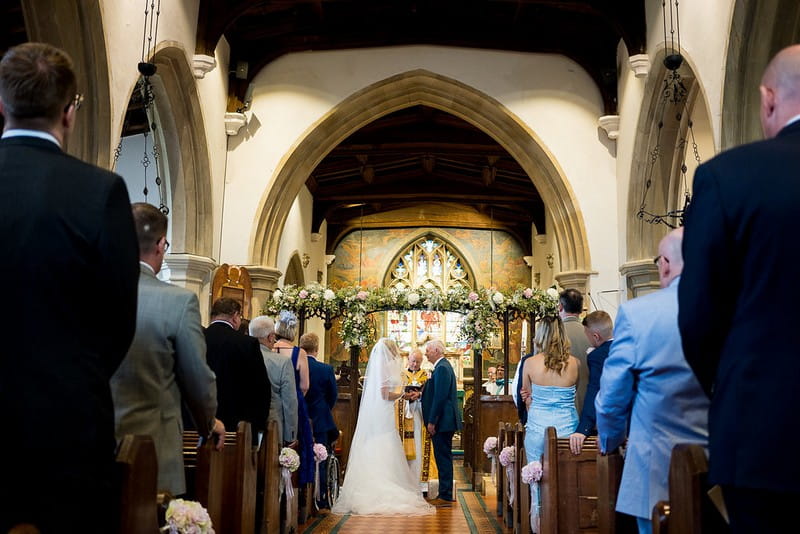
(468,273)
(422,87)
(294,272)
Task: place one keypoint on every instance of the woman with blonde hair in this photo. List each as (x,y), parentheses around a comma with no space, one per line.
(548,383)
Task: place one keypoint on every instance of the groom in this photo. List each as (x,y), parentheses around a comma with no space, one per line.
(440,413)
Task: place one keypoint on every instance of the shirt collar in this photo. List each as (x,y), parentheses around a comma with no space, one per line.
(148,266)
(22,132)
(792,121)
(220,321)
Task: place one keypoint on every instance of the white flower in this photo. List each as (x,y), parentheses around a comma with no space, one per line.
(329,294)
(552,293)
(276,296)
(498,298)
(412,298)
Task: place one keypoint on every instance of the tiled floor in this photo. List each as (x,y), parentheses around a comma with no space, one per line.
(471,513)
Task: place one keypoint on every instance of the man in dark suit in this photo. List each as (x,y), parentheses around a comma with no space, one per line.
(599,329)
(740,258)
(320,399)
(166,363)
(69,251)
(440,414)
(243,388)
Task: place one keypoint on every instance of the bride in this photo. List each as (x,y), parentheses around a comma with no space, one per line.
(378,480)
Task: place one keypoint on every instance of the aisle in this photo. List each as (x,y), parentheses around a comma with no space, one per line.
(470,513)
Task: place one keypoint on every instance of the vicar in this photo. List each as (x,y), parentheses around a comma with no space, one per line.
(416,440)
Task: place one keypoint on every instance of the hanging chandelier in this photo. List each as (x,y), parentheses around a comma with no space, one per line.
(674,97)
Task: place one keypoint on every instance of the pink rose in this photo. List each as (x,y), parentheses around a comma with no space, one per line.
(361,295)
(472,296)
(528,293)
(303,294)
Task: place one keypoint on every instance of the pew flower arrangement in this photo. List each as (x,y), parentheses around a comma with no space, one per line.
(187,517)
(320,455)
(289,461)
(507,458)
(532,472)
(490,450)
(481,306)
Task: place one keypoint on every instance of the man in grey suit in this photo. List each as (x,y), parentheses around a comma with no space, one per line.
(283,407)
(646,379)
(166,363)
(570,306)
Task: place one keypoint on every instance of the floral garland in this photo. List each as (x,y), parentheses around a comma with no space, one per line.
(353,303)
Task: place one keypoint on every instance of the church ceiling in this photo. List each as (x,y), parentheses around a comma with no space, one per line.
(420,164)
(587,31)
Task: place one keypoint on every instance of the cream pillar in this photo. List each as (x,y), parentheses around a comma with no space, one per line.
(641,277)
(574,280)
(193,273)
(264,280)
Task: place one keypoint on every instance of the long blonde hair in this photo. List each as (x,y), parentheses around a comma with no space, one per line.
(552,341)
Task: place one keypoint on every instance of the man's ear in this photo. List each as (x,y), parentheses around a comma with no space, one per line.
(68,118)
(767,101)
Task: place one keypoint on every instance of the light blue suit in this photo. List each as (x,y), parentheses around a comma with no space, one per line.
(647,378)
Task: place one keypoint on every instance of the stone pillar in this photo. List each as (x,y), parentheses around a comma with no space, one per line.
(641,277)
(264,280)
(575,280)
(193,273)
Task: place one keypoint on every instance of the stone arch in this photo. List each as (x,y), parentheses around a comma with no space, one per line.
(758,31)
(441,236)
(76,26)
(294,272)
(422,87)
(185,151)
(642,238)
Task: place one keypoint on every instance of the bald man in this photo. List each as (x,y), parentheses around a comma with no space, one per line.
(738,335)
(646,380)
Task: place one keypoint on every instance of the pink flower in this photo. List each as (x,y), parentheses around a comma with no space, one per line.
(320,452)
(472,296)
(490,446)
(508,456)
(532,472)
(361,295)
(303,294)
(528,293)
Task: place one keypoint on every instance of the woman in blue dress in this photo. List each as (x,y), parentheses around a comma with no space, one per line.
(548,380)
(285,332)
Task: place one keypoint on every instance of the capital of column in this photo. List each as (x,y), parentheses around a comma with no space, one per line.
(575,280)
(265,281)
(189,270)
(641,277)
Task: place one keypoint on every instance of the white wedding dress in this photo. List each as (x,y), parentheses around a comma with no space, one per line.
(378,480)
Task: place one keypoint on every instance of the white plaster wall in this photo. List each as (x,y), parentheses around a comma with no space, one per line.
(551,94)
(296,238)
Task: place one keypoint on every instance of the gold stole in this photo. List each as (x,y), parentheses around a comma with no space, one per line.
(406,430)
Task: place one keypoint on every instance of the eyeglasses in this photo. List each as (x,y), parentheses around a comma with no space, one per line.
(77,102)
(659,258)
(166,245)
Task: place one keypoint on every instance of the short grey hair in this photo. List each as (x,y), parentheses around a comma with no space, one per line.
(262,326)
(437,345)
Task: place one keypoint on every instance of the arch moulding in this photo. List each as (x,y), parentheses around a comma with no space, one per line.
(421,87)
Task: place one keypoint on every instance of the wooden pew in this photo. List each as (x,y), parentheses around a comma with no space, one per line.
(269,480)
(512,480)
(609,475)
(569,486)
(502,485)
(689,509)
(239,485)
(204,474)
(138,469)
(522,503)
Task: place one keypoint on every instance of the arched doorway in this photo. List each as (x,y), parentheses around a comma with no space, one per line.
(420,87)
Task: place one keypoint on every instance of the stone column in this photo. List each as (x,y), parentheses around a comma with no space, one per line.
(264,280)
(641,277)
(574,280)
(193,273)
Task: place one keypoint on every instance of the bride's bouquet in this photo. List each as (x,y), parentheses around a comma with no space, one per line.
(187,517)
(289,461)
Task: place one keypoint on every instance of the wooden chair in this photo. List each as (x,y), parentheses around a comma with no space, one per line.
(569,486)
(138,468)
(689,509)
(269,480)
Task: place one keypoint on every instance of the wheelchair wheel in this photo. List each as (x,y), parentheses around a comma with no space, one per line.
(333,479)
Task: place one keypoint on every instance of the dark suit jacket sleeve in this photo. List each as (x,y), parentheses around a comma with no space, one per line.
(331,390)
(706,278)
(260,387)
(588,421)
(196,380)
(118,260)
